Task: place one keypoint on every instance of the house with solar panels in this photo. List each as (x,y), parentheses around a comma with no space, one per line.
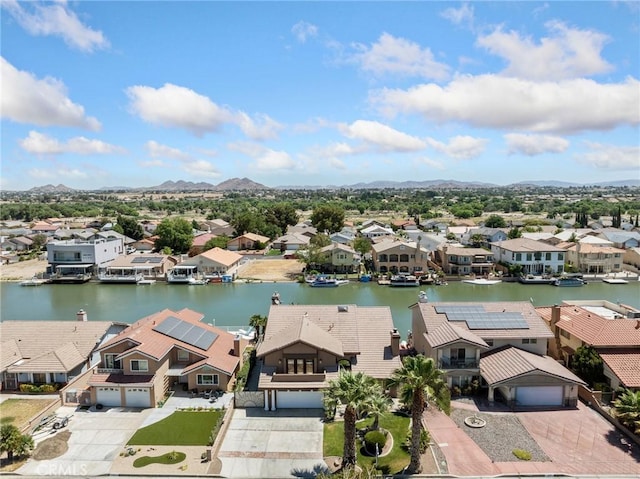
(169,349)
(501,345)
(135,267)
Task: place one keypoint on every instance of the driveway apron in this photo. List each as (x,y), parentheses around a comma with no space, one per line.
(269,444)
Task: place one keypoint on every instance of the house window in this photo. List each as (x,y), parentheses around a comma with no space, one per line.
(383,258)
(529,256)
(207,380)
(393,258)
(565,334)
(404,258)
(141,365)
(529,340)
(39,378)
(183,355)
(300,366)
(547,256)
(560,256)
(518,256)
(537,256)
(110,361)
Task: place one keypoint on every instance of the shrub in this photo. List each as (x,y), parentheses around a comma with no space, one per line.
(373,438)
(522,454)
(425,438)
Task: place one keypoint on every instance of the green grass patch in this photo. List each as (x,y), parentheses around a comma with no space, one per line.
(182,428)
(172,457)
(393,463)
(522,454)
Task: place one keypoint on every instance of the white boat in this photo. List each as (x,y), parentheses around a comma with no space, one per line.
(615,281)
(143,282)
(197,281)
(570,281)
(482,281)
(323,281)
(402,280)
(35,281)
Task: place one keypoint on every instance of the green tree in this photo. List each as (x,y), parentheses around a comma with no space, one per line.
(495,221)
(329,218)
(362,245)
(352,390)
(320,240)
(218,242)
(627,409)
(14,443)
(282,215)
(39,241)
(476,240)
(130,227)
(377,405)
(174,233)
(259,323)
(587,364)
(420,381)
(514,233)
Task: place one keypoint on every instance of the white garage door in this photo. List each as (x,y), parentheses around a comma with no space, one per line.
(539,396)
(137,397)
(108,396)
(299,399)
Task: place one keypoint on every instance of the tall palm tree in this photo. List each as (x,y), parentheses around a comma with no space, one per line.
(352,390)
(627,408)
(419,380)
(259,322)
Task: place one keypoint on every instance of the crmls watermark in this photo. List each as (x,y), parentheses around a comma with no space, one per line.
(61,469)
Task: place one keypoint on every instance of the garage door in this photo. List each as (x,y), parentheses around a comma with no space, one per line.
(137,397)
(539,396)
(108,396)
(299,399)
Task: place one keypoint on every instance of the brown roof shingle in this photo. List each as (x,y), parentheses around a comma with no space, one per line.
(624,363)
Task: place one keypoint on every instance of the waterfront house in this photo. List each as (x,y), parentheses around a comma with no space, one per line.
(247,241)
(305,346)
(593,259)
(502,345)
(631,257)
(147,266)
(76,260)
(215,262)
(612,329)
(339,258)
(465,261)
(396,256)
(535,257)
(168,349)
(50,352)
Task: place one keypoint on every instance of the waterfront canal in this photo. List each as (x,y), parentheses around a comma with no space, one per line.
(233,304)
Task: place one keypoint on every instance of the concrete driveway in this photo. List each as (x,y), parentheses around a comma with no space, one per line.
(267,444)
(97,437)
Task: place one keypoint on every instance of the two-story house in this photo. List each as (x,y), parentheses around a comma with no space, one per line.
(501,345)
(305,346)
(396,256)
(76,260)
(464,261)
(164,350)
(612,329)
(594,259)
(535,257)
(339,258)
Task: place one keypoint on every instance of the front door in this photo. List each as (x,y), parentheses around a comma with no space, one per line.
(10,381)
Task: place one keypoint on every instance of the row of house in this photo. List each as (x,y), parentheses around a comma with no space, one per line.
(519,353)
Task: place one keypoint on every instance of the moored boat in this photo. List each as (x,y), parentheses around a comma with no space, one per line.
(400,280)
(569,282)
(533,279)
(482,281)
(35,281)
(322,281)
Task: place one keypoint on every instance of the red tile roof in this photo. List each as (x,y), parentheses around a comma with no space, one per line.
(624,363)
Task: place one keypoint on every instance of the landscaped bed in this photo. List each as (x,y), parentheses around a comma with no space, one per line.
(392,463)
(173,457)
(182,428)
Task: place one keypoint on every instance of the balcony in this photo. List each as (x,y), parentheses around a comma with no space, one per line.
(109,371)
(283,377)
(447,363)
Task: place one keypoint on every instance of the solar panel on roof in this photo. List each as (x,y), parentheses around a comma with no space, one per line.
(155,259)
(139,259)
(477,317)
(191,334)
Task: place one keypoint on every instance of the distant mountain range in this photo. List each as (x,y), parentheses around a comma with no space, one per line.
(245,184)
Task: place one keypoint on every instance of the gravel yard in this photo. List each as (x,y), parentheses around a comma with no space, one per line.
(502,434)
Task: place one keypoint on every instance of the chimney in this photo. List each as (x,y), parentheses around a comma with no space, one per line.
(236,345)
(395,342)
(81,315)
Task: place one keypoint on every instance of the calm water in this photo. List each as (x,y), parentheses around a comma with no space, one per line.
(233,304)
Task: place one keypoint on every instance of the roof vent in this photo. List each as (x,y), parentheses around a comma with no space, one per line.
(343,309)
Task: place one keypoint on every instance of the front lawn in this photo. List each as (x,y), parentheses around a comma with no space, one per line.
(393,463)
(182,428)
(19,411)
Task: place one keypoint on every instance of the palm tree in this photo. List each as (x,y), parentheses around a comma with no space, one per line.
(352,390)
(628,409)
(377,405)
(259,322)
(419,380)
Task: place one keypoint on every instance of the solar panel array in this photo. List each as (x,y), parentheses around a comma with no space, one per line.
(477,317)
(186,332)
(145,259)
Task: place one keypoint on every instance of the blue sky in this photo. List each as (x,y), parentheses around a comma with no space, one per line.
(132,94)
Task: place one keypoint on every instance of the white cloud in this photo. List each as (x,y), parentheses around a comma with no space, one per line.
(459,16)
(200,168)
(460,147)
(337,164)
(63,172)
(490,101)
(41,144)
(611,157)
(398,56)
(156,150)
(566,53)
(176,106)
(274,160)
(303,30)
(382,136)
(260,128)
(431,163)
(25,99)
(55,18)
(532,145)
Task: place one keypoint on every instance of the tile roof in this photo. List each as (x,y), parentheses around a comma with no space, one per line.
(128,379)
(526,245)
(624,363)
(362,331)
(593,329)
(537,328)
(502,364)
(461,251)
(156,345)
(217,255)
(448,333)
(49,346)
